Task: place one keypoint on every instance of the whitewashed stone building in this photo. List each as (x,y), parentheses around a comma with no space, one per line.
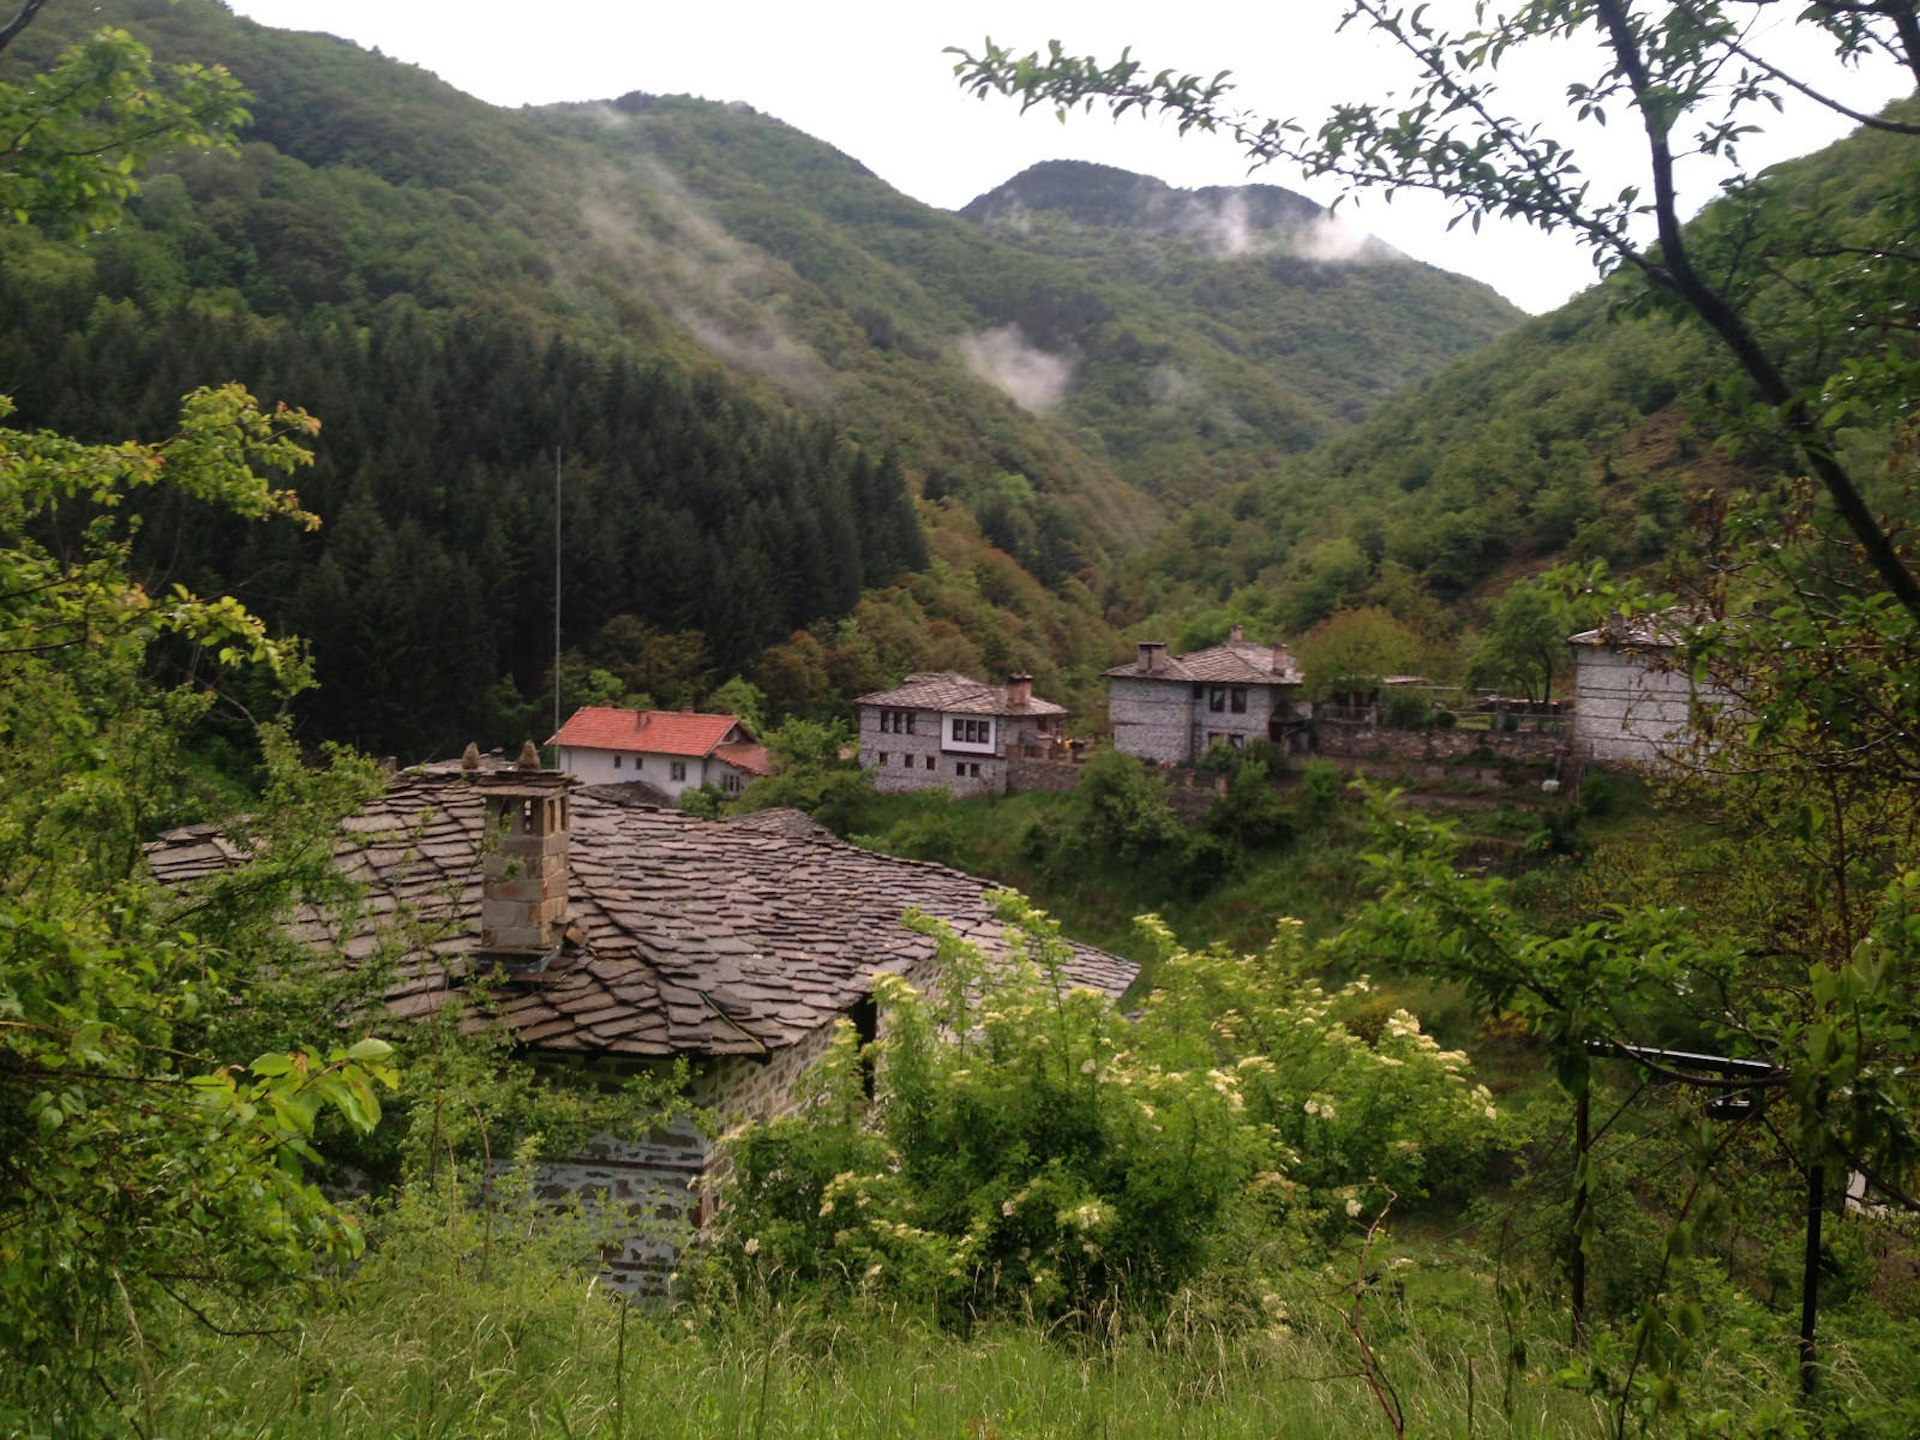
(949,732)
(1171,708)
(621,938)
(1632,698)
(668,751)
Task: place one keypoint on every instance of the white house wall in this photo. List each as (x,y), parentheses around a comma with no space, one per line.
(1626,708)
(596,767)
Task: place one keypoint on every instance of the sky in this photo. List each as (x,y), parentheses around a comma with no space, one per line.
(869,77)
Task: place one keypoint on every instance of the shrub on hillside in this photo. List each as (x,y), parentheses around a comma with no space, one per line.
(1030,1150)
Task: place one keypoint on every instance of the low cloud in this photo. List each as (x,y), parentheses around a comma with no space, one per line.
(1031,377)
(1227,231)
(726,293)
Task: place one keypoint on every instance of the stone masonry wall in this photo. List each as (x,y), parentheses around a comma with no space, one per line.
(907,755)
(1152,719)
(662,1182)
(1626,707)
(1336,739)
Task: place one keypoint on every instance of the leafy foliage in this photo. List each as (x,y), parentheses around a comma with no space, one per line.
(138,1167)
(1031,1150)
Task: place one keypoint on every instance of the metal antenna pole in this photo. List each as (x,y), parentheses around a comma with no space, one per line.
(556,588)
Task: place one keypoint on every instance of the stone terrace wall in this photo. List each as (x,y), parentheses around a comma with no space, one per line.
(1028,773)
(1334,738)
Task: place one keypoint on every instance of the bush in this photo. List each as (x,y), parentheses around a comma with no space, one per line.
(1320,785)
(1032,1151)
(1250,812)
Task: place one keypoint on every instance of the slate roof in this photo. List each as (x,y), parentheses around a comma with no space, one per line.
(1238,662)
(686,936)
(1663,631)
(651,732)
(956,695)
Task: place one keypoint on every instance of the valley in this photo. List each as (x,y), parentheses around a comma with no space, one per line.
(1378,1046)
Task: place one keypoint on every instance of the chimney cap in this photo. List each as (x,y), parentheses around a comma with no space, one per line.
(470,758)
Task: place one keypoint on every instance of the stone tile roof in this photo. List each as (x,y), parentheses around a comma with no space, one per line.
(651,732)
(1238,662)
(686,936)
(956,695)
(1663,631)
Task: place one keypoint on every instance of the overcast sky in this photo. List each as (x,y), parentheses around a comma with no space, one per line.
(868,77)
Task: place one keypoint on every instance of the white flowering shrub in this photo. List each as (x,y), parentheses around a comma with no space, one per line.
(1353,1118)
(1029,1148)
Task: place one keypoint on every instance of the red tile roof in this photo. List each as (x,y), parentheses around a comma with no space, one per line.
(747,756)
(647,732)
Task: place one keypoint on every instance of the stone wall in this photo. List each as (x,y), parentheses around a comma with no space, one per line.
(907,764)
(1336,739)
(1152,719)
(1031,773)
(900,762)
(661,1185)
(1627,704)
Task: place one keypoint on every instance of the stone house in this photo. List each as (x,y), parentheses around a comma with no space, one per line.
(1632,699)
(620,937)
(668,751)
(1170,708)
(949,732)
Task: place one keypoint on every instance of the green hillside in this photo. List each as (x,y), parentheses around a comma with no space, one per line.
(1601,432)
(755,357)
(1271,277)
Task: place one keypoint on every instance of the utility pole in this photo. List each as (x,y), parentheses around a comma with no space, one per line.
(557,454)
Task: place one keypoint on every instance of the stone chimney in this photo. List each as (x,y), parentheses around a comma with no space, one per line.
(1282,658)
(1236,635)
(1616,628)
(1019,691)
(523,886)
(1150,651)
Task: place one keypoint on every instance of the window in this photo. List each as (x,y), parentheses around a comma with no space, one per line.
(929,762)
(910,717)
(616,762)
(883,759)
(1217,699)
(960,767)
(1238,700)
(971,732)
(896,722)
(732,783)
(1199,691)
(676,770)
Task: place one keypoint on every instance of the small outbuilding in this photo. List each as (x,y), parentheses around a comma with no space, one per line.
(1633,699)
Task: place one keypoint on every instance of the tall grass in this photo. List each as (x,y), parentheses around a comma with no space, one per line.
(519,1357)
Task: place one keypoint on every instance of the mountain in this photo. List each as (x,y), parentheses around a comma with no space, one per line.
(794,408)
(1601,432)
(1265,275)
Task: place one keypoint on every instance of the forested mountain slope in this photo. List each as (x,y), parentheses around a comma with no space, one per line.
(1267,276)
(750,351)
(1600,432)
